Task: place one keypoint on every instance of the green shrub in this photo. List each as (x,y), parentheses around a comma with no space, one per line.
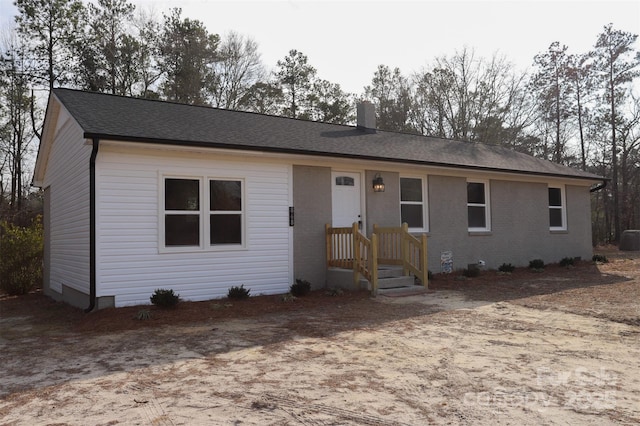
(300,288)
(334,291)
(536,264)
(143,314)
(288,297)
(506,267)
(429,275)
(566,261)
(601,258)
(236,292)
(21,256)
(165,298)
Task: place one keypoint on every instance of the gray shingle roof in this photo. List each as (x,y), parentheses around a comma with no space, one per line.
(130,119)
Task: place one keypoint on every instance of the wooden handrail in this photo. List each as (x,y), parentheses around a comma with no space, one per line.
(390,247)
(415,255)
(339,247)
(348,248)
(366,259)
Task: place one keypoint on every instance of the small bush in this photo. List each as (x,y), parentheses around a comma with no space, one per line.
(429,275)
(600,258)
(335,291)
(143,314)
(21,256)
(300,288)
(165,298)
(238,293)
(566,261)
(506,267)
(537,264)
(288,297)
(471,272)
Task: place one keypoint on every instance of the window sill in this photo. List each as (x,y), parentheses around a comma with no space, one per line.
(194,250)
(480,233)
(418,231)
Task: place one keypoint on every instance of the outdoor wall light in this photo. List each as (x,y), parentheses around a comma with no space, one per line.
(378,183)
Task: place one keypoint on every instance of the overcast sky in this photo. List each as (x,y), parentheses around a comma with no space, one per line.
(346,40)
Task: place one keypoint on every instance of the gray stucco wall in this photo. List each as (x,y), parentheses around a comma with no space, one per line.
(519,224)
(519,215)
(383,208)
(312,203)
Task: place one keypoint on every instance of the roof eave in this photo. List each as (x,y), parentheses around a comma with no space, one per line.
(159,141)
(48,134)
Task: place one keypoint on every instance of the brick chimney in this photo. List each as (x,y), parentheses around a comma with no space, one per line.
(366,117)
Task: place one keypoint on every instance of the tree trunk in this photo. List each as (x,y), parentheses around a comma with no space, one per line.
(614,161)
(583,156)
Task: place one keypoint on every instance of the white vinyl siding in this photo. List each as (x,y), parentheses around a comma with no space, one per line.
(67,177)
(131,262)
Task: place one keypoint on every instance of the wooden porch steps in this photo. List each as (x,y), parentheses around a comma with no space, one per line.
(391,278)
(383,262)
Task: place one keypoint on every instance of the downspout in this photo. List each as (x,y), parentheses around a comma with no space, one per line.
(92,226)
(599,186)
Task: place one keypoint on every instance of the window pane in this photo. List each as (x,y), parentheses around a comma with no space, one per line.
(555,218)
(477,217)
(181,194)
(410,189)
(555,197)
(475,193)
(345,181)
(181,230)
(412,214)
(226,229)
(226,195)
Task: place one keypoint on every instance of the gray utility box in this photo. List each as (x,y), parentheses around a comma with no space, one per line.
(630,240)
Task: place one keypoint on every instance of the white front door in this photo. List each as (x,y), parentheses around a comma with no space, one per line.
(345,200)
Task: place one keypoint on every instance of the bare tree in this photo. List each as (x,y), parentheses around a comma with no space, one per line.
(579,74)
(263,98)
(616,65)
(391,93)
(330,104)
(469,98)
(239,67)
(48,28)
(148,65)
(17,133)
(113,47)
(295,77)
(187,54)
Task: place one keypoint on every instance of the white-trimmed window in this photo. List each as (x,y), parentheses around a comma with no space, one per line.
(413,205)
(200,213)
(182,212)
(225,212)
(478,210)
(557,211)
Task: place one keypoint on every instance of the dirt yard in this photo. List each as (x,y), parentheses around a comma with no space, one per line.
(556,347)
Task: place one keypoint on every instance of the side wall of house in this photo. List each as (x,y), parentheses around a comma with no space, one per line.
(312,203)
(519,215)
(66,183)
(131,261)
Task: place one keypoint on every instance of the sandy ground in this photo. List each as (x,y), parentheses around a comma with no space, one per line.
(436,358)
